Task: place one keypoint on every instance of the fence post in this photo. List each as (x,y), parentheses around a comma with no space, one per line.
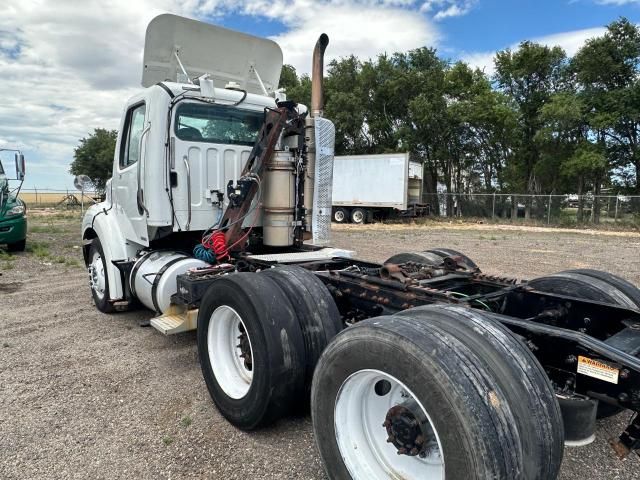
(36,189)
(615,218)
(493,208)
(549,211)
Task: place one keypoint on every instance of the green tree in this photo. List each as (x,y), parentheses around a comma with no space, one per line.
(607,71)
(297,89)
(529,76)
(94,156)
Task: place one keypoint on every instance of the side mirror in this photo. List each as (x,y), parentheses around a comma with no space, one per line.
(20,166)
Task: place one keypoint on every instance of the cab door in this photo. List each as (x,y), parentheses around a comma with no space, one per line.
(129,191)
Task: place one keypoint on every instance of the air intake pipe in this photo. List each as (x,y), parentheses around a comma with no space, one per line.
(317,104)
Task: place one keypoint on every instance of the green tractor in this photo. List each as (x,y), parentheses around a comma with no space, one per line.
(13,211)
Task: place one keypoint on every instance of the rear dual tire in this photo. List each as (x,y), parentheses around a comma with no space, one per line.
(432,257)
(593,285)
(263,388)
(486,398)
(280,319)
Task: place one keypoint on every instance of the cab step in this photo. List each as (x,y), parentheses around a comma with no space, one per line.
(176,320)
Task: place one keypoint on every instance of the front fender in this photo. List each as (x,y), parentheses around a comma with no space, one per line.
(100,222)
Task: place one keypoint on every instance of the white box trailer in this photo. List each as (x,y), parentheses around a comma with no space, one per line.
(383,185)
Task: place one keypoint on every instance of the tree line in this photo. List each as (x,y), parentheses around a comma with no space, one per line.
(543,123)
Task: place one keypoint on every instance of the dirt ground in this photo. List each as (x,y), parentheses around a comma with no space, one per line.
(88,395)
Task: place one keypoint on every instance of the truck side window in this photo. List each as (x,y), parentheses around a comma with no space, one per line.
(130,147)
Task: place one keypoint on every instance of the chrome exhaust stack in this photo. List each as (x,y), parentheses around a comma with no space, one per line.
(320,140)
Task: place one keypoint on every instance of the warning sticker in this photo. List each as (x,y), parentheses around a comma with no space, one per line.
(593,368)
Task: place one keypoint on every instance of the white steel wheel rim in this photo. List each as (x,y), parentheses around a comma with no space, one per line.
(358,216)
(362,439)
(339,216)
(225,358)
(97,275)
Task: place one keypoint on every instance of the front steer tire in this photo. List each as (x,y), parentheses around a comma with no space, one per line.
(101,299)
(17,246)
(470,408)
(277,348)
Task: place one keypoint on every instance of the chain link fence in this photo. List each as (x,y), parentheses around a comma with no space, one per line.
(48,198)
(558,210)
(562,210)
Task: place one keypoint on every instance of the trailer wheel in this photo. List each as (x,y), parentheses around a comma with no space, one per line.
(394,397)
(592,285)
(98,277)
(340,215)
(519,375)
(317,313)
(358,216)
(251,349)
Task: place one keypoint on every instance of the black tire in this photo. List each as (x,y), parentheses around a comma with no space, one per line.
(592,285)
(358,216)
(447,252)
(519,376)
(17,246)
(432,257)
(628,288)
(476,428)
(276,343)
(579,285)
(102,303)
(316,311)
(416,257)
(341,215)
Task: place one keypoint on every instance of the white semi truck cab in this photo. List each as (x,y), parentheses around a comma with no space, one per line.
(189,148)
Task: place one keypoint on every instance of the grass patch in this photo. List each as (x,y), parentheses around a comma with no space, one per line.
(167,440)
(59,260)
(186,421)
(7,266)
(39,249)
(71,262)
(46,229)
(5,256)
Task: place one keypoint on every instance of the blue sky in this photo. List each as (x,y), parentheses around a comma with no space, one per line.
(69,70)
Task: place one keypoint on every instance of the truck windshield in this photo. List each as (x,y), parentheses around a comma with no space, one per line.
(217,124)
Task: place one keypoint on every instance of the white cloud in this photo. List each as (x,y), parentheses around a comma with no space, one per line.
(364,31)
(68,67)
(442,9)
(616,2)
(570,42)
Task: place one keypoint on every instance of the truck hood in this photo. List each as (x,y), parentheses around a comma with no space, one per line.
(7,201)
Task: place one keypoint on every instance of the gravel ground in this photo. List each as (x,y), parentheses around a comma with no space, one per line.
(88,395)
